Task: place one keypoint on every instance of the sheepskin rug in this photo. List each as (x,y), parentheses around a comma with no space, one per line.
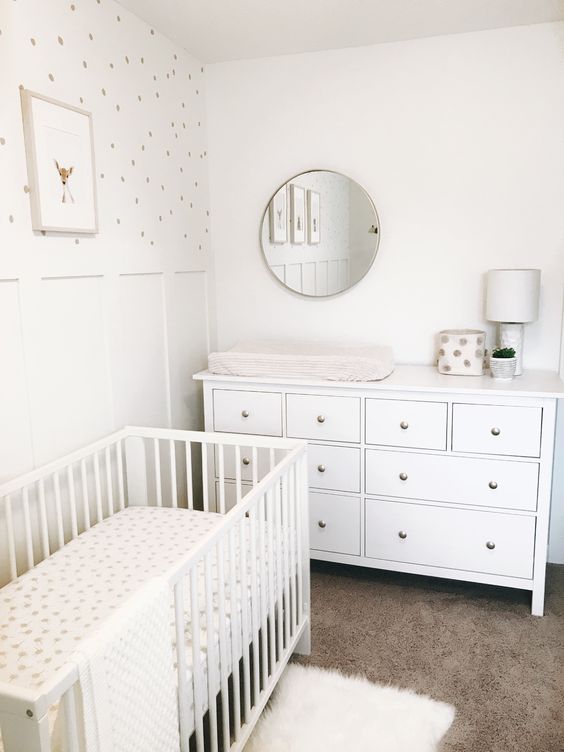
(313,710)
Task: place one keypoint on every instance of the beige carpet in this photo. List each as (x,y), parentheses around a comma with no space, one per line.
(473,646)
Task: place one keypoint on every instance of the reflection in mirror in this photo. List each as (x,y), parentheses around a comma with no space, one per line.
(320,233)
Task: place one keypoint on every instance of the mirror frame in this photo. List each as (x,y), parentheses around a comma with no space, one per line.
(264,217)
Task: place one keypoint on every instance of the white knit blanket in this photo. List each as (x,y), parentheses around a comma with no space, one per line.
(127,679)
(307,360)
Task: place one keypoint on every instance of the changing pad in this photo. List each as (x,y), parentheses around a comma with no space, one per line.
(306,360)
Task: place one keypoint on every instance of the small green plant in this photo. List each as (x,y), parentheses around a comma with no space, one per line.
(503,352)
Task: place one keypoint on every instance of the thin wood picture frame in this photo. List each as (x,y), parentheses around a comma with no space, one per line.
(59,144)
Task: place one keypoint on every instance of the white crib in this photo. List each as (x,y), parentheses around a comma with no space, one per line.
(258,548)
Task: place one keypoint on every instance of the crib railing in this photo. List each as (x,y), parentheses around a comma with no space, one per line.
(261,549)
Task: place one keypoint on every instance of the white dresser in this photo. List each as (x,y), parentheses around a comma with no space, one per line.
(423,473)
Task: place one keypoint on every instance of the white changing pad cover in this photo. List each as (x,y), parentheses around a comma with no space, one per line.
(306,360)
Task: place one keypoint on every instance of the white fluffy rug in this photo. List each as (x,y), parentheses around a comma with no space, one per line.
(314,710)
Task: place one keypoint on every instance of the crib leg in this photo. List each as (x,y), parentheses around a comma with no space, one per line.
(22,733)
(303,646)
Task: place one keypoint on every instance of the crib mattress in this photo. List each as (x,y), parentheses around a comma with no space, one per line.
(48,610)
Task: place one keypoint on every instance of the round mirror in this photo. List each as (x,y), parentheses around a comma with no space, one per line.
(320,233)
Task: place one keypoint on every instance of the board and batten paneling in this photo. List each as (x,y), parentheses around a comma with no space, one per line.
(101,330)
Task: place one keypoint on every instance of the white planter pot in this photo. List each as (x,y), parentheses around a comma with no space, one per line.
(503,369)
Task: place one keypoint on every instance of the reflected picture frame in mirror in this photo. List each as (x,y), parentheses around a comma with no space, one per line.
(329,239)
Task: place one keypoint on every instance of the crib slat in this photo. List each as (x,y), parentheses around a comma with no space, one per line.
(236,650)
(98,487)
(85,501)
(71,726)
(223,667)
(43,524)
(245,618)
(279,574)
(197,674)
(173,489)
(286,574)
(205,477)
(299,503)
(179,622)
(72,502)
(27,529)
(221,479)
(238,488)
(270,564)
(11,538)
(189,488)
(292,551)
(58,511)
(254,604)
(158,487)
(210,643)
(109,484)
(263,593)
(121,490)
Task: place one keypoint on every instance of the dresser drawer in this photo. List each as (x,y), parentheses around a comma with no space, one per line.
(334,468)
(406,423)
(258,413)
(323,418)
(496,429)
(464,480)
(246,462)
(487,542)
(334,523)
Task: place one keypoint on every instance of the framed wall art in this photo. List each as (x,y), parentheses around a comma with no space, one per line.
(313,207)
(60,164)
(297,213)
(279,217)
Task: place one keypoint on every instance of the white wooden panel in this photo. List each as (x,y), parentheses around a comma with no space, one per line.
(481,482)
(15,439)
(451,538)
(294,276)
(493,429)
(321,278)
(140,372)
(324,418)
(188,345)
(70,386)
(334,523)
(257,413)
(333,277)
(406,423)
(308,278)
(334,468)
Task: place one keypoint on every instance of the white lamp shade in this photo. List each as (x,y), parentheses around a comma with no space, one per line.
(513,295)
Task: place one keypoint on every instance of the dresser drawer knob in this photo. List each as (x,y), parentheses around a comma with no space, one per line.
(403,476)
(490,545)
(246,461)
(245,413)
(492,484)
(402,534)
(496,431)
(404,424)
(321,468)
(322,524)
(321,418)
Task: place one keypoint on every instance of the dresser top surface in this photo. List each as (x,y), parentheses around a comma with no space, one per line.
(546,384)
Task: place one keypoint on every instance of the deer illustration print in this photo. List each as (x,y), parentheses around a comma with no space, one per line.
(65,174)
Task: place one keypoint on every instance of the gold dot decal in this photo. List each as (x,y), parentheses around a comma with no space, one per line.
(152,32)
(104,92)
(76,241)
(33,42)
(91,37)
(2,141)
(84,64)
(11,218)
(60,40)
(73,7)
(51,77)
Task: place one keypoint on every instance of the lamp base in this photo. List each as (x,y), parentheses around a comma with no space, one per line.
(511,335)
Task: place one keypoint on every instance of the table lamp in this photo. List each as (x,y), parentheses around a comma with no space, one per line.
(513,300)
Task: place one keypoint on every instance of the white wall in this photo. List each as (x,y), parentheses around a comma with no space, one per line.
(459,141)
(100,331)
